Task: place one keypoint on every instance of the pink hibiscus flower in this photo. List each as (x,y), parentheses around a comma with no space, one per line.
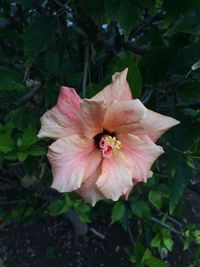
(104,145)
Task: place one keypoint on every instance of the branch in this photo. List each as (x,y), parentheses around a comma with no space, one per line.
(85,70)
(135,48)
(141,27)
(195,104)
(36,86)
(79,227)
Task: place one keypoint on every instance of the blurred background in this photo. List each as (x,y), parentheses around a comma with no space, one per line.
(80,44)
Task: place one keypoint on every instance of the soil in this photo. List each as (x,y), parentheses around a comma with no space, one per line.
(52,242)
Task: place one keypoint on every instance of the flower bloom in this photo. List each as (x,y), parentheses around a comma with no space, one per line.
(103,145)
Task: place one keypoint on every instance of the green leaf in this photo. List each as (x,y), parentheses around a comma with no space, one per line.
(93,89)
(189,91)
(155,262)
(178,182)
(117,211)
(57,207)
(29,4)
(184,58)
(38,36)
(83,208)
(125,12)
(11,80)
(155,198)
(6,143)
(134,76)
(140,208)
(187,24)
(167,241)
(29,212)
(20,118)
(176,9)
(29,138)
(147,255)
(191,163)
(155,242)
(157,72)
(186,243)
(84,218)
(37,150)
(22,155)
(133,259)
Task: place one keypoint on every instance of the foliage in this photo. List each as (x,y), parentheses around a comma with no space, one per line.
(43,45)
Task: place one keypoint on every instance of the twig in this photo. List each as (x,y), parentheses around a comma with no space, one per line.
(85,70)
(146,96)
(36,87)
(97,233)
(173,220)
(131,236)
(166,226)
(10,202)
(173,148)
(64,6)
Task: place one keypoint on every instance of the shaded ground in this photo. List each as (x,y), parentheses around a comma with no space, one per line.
(53,243)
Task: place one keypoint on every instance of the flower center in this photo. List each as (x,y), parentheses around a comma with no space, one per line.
(109,145)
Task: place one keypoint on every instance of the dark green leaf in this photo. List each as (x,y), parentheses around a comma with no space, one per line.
(155,242)
(29,138)
(117,211)
(178,183)
(57,207)
(188,24)
(167,240)
(11,80)
(125,12)
(6,143)
(155,198)
(176,9)
(38,36)
(134,77)
(140,208)
(184,58)
(22,155)
(37,150)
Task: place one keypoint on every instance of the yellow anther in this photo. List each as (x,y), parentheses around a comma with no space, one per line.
(113,141)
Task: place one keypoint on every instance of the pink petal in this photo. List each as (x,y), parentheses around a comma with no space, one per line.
(63,119)
(117,90)
(123,113)
(116,177)
(141,153)
(72,160)
(69,102)
(88,190)
(155,124)
(92,116)
(152,124)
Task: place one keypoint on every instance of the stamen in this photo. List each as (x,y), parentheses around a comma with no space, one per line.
(108,145)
